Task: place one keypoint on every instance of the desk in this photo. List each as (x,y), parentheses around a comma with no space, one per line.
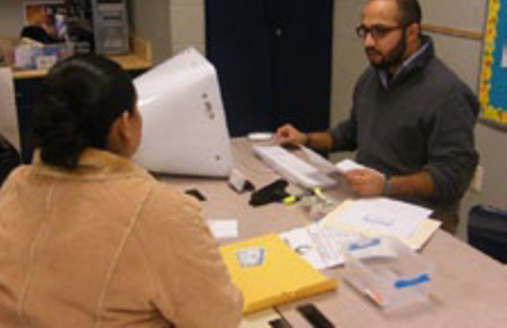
(470,289)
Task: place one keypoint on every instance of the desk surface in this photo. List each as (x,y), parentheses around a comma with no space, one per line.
(470,289)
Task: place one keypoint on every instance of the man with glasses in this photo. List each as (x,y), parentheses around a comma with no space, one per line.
(412,119)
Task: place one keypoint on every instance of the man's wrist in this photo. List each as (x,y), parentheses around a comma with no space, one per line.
(306,141)
(387,184)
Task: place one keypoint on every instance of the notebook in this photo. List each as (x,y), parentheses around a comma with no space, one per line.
(269,273)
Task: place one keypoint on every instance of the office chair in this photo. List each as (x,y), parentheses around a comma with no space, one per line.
(487,231)
(9,158)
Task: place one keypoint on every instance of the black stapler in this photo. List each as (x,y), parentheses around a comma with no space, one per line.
(274,192)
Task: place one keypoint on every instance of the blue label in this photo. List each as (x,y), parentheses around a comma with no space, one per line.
(366,244)
(403,283)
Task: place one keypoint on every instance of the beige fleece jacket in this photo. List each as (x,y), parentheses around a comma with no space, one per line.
(106,245)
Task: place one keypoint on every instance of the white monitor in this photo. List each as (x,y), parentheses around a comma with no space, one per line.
(184,126)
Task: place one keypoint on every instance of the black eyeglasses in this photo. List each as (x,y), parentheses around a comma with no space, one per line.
(377,31)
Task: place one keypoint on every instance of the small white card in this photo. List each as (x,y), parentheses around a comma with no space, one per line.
(252,256)
(348,164)
(224,228)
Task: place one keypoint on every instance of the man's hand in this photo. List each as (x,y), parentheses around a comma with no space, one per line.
(287,134)
(366,182)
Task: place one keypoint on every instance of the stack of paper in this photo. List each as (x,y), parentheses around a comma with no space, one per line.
(383,216)
(269,273)
(320,245)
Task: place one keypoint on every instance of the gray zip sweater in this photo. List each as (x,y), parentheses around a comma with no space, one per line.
(422,120)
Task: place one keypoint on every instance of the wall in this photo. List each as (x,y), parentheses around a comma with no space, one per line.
(348,60)
(170,25)
(187,22)
(11,17)
(149,19)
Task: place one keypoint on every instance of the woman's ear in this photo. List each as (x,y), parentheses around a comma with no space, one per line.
(124,125)
(120,134)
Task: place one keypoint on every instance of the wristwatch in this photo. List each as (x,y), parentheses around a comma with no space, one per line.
(387,181)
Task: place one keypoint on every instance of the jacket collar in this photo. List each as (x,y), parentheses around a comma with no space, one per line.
(412,64)
(94,164)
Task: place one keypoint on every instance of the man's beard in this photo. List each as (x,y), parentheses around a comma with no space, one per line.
(393,59)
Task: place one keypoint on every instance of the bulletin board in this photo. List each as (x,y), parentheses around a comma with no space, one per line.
(493,82)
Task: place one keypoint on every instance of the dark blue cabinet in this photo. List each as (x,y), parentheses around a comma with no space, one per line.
(273,59)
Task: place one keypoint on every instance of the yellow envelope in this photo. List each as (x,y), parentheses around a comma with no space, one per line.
(280,276)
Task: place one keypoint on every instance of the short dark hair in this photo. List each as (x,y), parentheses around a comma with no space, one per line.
(410,12)
(80,99)
(37,33)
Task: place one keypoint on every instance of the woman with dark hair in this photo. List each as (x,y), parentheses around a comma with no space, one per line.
(89,239)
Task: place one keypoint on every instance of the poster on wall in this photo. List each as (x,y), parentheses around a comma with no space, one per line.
(50,15)
(493,83)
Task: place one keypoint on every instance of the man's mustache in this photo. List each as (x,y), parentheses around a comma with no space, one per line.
(372,51)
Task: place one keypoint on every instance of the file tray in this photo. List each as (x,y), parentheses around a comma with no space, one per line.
(388,271)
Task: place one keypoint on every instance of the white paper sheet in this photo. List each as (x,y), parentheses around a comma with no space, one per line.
(320,246)
(224,228)
(321,162)
(383,216)
(348,164)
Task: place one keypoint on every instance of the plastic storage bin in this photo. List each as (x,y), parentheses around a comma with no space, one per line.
(388,271)
(41,57)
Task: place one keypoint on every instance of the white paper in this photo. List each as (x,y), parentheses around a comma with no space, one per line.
(321,162)
(224,228)
(320,246)
(8,112)
(348,164)
(292,167)
(375,248)
(383,216)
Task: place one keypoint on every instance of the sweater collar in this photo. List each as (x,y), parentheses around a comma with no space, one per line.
(415,62)
(93,164)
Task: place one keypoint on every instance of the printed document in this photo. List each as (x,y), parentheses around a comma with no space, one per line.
(319,245)
(381,216)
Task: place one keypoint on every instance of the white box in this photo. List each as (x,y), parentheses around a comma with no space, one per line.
(388,271)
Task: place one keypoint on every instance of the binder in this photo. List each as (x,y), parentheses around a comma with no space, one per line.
(279,276)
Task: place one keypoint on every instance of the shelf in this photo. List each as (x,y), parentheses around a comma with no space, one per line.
(140,59)
(129,62)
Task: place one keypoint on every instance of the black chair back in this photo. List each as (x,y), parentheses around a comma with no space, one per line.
(487,231)
(9,158)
